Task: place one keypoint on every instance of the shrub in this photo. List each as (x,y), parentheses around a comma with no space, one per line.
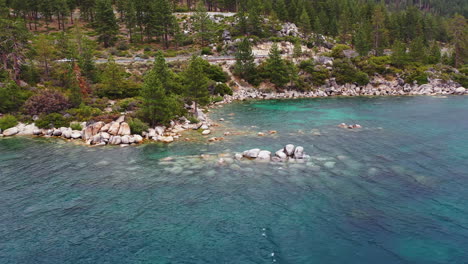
(124,89)
(122,45)
(51,120)
(345,72)
(462,79)
(75,126)
(417,74)
(192,119)
(319,76)
(84,112)
(106,118)
(46,102)
(214,72)
(8,121)
(137,126)
(206,51)
(337,50)
(129,104)
(222,89)
(307,66)
(377,65)
(12,97)
(216,99)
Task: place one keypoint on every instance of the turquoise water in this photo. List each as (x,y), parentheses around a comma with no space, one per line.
(392,192)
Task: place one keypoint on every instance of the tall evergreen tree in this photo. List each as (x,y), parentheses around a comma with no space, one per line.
(165,21)
(417,50)
(304,22)
(158,106)
(459,33)
(379,32)
(363,39)
(106,23)
(203,24)
(399,56)
(197,82)
(245,62)
(253,19)
(276,68)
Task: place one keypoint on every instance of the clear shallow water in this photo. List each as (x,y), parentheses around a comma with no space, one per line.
(393,192)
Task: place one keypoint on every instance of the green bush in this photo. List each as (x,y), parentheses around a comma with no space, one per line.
(137,126)
(52,120)
(12,97)
(129,104)
(379,65)
(319,77)
(170,53)
(307,66)
(345,72)
(215,72)
(206,51)
(460,78)
(124,89)
(222,89)
(215,99)
(192,119)
(75,126)
(417,74)
(8,121)
(122,45)
(84,112)
(337,50)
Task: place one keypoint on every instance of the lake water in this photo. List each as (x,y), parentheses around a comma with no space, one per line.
(394,191)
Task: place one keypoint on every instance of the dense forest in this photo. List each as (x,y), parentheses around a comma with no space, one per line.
(50,51)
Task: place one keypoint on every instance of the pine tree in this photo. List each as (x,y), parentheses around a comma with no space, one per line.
(280,10)
(276,67)
(76,97)
(434,55)
(297,52)
(304,22)
(166,76)
(130,18)
(203,24)
(197,83)
(165,21)
(158,106)
(362,40)
(417,50)
(459,33)
(45,51)
(379,32)
(253,19)
(399,56)
(245,62)
(106,23)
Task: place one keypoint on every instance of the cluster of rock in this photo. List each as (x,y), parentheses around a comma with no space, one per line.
(375,88)
(344,125)
(288,153)
(117,132)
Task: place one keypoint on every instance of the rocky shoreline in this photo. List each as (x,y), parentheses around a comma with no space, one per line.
(118,132)
(378,87)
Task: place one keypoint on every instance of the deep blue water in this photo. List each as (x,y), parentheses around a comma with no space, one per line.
(394,191)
